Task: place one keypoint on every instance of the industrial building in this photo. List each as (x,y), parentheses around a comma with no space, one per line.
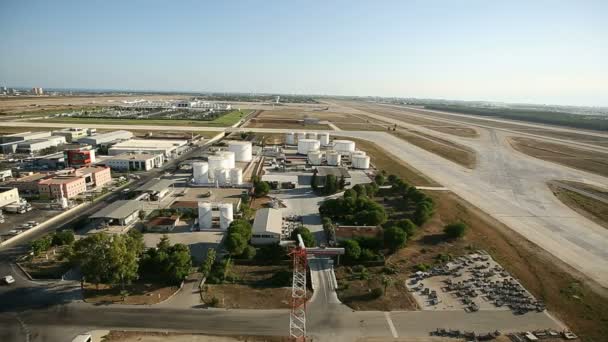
(5,174)
(94,176)
(242,150)
(23,136)
(267,227)
(106,138)
(169,148)
(135,161)
(119,213)
(61,187)
(71,134)
(80,157)
(8,195)
(156,188)
(32,145)
(55,161)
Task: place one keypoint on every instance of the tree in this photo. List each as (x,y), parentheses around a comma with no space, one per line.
(342,183)
(122,261)
(208,263)
(64,237)
(352,250)
(307,237)
(41,245)
(386,282)
(261,189)
(249,253)
(394,238)
(92,255)
(142,215)
(314,181)
(136,241)
(235,244)
(360,190)
(407,226)
(392,178)
(455,230)
(380,179)
(164,244)
(241,227)
(331,185)
(180,263)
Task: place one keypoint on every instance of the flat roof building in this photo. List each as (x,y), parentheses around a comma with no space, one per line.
(23,136)
(37,145)
(105,138)
(119,213)
(95,176)
(8,195)
(71,134)
(158,188)
(267,227)
(62,187)
(154,146)
(135,161)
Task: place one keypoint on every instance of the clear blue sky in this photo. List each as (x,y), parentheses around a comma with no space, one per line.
(517,51)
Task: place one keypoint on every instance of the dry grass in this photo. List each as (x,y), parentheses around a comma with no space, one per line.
(46,265)
(284,124)
(153,336)
(596,211)
(441,147)
(383,160)
(139,293)
(361,126)
(590,161)
(236,296)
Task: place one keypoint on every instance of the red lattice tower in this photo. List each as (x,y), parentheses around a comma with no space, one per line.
(297,318)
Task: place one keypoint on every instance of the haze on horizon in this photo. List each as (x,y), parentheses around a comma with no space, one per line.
(550,52)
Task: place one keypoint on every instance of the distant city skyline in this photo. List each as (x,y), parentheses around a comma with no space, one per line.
(515,52)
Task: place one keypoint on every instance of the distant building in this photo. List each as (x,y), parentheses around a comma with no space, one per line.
(80,157)
(105,138)
(55,161)
(119,213)
(23,136)
(135,161)
(71,134)
(157,188)
(63,186)
(28,185)
(94,176)
(5,174)
(267,227)
(8,195)
(169,148)
(37,145)
(37,91)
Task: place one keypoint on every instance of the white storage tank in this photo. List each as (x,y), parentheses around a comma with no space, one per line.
(242,150)
(360,162)
(315,158)
(324,139)
(308,145)
(215,162)
(344,146)
(290,138)
(333,158)
(301,135)
(311,135)
(236,176)
(200,172)
(358,153)
(222,175)
(225,215)
(229,159)
(205,217)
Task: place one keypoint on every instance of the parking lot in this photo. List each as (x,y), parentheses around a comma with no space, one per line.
(14,221)
(472,283)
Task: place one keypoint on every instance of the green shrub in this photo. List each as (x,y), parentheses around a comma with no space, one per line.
(377,292)
(455,230)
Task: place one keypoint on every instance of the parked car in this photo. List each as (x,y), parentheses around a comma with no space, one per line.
(8,279)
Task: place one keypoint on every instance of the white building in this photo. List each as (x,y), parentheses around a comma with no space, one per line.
(71,134)
(135,161)
(104,138)
(169,148)
(267,227)
(37,145)
(23,136)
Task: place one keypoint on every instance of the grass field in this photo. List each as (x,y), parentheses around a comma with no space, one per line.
(441,147)
(285,125)
(595,162)
(584,308)
(591,208)
(223,121)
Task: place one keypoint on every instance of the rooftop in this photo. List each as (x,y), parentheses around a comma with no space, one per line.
(150,143)
(268,220)
(119,209)
(162,221)
(31,178)
(88,170)
(323,171)
(60,180)
(134,156)
(155,185)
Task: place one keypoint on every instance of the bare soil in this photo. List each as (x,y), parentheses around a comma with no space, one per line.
(441,147)
(383,160)
(590,161)
(139,293)
(287,124)
(236,296)
(591,208)
(46,265)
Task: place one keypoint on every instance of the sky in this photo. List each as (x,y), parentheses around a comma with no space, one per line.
(553,52)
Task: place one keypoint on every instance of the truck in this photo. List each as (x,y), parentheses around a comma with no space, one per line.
(15,208)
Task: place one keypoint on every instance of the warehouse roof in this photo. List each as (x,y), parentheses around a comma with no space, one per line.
(133,156)
(118,209)
(323,171)
(155,185)
(268,220)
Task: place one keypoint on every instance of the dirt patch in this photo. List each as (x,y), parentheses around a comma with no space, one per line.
(151,336)
(138,293)
(46,265)
(590,161)
(236,296)
(284,124)
(441,147)
(578,137)
(258,203)
(591,208)
(351,126)
(383,160)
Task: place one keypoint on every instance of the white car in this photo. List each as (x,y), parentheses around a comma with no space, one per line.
(8,279)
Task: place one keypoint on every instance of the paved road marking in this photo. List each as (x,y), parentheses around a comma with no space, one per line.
(390,324)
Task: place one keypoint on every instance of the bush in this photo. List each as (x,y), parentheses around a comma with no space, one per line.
(389,269)
(248,253)
(307,237)
(377,292)
(64,237)
(422,267)
(214,302)
(455,230)
(394,238)
(352,251)
(271,253)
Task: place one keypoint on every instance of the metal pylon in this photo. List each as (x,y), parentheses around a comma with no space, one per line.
(297,318)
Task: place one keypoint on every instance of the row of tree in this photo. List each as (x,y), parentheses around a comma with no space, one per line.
(331,184)
(60,238)
(355,207)
(260,187)
(120,259)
